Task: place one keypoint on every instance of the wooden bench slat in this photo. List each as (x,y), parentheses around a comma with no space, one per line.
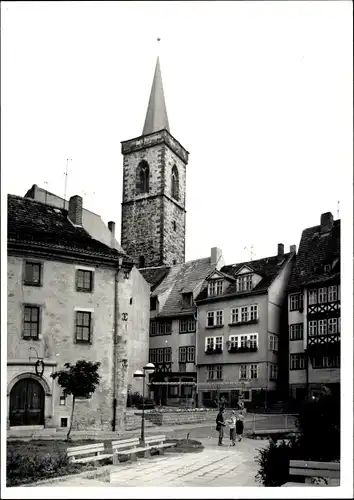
(89,459)
(125,441)
(85,447)
(315,465)
(85,452)
(314,472)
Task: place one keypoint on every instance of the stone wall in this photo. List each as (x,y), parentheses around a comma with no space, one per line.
(180,417)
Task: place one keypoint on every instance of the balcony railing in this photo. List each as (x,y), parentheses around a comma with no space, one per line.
(211,350)
(235,349)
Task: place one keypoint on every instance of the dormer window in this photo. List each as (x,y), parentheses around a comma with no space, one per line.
(244,282)
(187,299)
(214,288)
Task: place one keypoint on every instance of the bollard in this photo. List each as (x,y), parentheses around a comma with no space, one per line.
(115,458)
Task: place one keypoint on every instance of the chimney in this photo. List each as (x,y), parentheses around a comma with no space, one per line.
(326,222)
(216,258)
(280,249)
(292,248)
(112,228)
(75,210)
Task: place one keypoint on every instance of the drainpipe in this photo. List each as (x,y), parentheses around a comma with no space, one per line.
(196,394)
(307,373)
(115,344)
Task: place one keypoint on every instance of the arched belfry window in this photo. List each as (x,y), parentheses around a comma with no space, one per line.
(174,183)
(142,177)
(141,261)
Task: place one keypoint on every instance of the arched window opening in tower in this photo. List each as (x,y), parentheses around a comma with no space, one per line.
(141,261)
(175,183)
(174,225)
(142,177)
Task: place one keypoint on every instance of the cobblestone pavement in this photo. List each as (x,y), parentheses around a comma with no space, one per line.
(214,466)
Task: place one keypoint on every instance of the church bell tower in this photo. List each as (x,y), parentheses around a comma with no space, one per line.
(154,188)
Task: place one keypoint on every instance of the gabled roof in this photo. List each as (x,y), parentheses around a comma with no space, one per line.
(154,275)
(215,274)
(268,268)
(35,223)
(315,251)
(156,115)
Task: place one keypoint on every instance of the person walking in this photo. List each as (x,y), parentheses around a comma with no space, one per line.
(232,426)
(239,425)
(220,424)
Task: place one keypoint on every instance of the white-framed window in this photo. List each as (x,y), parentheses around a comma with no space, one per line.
(244,313)
(297,331)
(312,295)
(214,372)
(191,325)
(243,340)
(182,354)
(209,343)
(210,318)
(233,340)
(234,315)
(187,354)
(218,343)
(332,293)
(214,288)
(322,295)
(333,325)
(219,318)
(273,372)
(243,372)
(160,354)
(322,327)
(273,342)
(218,372)
(296,301)
(210,370)
(253,340)
(297,361)
(190,354)
(214,343)
(253,371)
(253,312)
(244,282)
(312,328)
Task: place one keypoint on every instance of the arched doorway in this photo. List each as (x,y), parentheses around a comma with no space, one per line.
(27,403)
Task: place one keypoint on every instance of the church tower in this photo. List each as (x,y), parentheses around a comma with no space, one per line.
(154,188)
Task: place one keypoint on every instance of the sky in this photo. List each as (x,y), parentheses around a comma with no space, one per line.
(259,93)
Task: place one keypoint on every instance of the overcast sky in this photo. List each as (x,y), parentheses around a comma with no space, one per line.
(259,93)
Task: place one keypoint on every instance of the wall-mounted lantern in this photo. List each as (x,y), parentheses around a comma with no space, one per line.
(39,365)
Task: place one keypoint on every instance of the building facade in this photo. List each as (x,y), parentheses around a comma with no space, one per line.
(70,297)
(239,331)
(154,189)
(314,311)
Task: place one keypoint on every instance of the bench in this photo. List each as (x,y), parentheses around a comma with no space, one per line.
(158,443)
(130,447)
(309,470)
(95,452)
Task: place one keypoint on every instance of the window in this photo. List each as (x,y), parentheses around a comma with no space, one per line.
(215,288)
(273,342)
(297,361)
(31,322)
(142,177)
(32,273)
(187,325)
(296,302)
(214,372)
(234,315)
(218,343)
(83,325)
(152,356)
(312,328)
(153,330)
(190,354)
(62,400)
(173,391)
(153,303)
(174,225)
(244,283)
(84,280)
(160,328)
(253,340)
(253,312)
(215,318)
(326,362)
(244,341)
(327,268)
(322,327)
(254,371)
(212,343)
(233,339)
(333,325)
(297,331)
(332,293)
(243,372)
(141,262)
(273,372)
(244,313)
(312,297)
(161,355)
(218,372)
(209,343)
(187,354)
(187,299)
(182,354)
(63,422)
(210,370)
(322,295)
(174,183)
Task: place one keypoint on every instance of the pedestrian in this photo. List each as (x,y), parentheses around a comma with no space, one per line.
(239,425)
(220,424)
(232,426)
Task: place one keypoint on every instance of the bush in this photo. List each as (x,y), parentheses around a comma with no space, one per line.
(274,461)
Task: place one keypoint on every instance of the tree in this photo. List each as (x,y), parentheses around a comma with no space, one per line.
(79,380)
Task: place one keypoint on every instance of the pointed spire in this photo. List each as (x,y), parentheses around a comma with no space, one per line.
(156,115)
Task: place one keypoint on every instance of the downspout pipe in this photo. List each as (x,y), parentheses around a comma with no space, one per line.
(115,344)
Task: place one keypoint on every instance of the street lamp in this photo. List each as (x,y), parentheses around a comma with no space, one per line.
(148,369)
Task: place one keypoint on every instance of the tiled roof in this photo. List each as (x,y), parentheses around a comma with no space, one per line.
(181,278)
(315,251)
(34,222)
(154,275)
(268,268)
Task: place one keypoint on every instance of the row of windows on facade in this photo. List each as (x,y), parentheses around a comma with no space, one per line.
(325,326)
(244,283)
(246,372)
(164,355)
(33,276)
(315,296)
(239,341)
(142,184)
(298,361)
(32,324)
(186,325)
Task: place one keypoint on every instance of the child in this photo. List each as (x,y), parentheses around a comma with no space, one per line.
(239,425)
(232,425)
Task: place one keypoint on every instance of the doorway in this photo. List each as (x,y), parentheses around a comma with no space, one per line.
(27,403)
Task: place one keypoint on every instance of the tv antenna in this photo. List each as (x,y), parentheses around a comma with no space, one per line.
(250,250)
(66,178)
(338,203)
